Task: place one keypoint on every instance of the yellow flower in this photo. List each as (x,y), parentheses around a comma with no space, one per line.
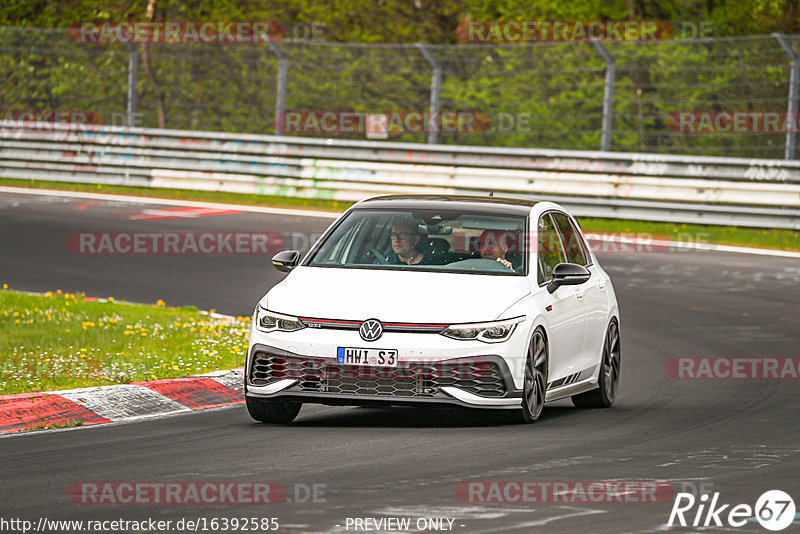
(5,286)
(67,330)
(110,299)
(159,302)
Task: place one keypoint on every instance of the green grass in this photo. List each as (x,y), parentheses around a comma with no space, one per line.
(185,194)
(697,233)
(725,235)
(47,426)
(62,341)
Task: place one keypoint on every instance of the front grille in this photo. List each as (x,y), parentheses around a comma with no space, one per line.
(474,375)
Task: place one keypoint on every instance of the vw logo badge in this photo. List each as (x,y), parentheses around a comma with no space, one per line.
(371,330)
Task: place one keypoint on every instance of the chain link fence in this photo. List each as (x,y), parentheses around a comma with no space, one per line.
(678,97)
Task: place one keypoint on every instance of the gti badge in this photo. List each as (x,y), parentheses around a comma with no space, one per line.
(371,330)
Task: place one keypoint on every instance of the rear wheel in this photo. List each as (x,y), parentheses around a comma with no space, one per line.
(270,411)
(608,381)
(534,387)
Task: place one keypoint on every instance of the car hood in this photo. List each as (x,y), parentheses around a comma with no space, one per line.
(394,296)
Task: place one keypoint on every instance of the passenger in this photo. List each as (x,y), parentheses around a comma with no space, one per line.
(493,245)
(405,238)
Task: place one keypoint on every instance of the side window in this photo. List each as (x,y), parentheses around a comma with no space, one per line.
(579,237)
(551,253)
(573,244)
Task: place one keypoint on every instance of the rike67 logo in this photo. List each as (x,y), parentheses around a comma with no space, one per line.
(774,510)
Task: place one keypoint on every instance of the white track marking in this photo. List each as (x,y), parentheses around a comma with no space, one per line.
(233,379)
(123,401)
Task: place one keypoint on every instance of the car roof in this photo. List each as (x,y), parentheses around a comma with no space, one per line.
(497,205)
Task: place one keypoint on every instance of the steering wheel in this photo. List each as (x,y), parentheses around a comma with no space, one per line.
(378,256)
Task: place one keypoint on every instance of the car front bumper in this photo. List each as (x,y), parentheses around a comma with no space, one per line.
(477,381)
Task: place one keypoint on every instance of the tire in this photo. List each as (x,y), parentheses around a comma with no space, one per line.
(534,387)
(269,411)
(608,380)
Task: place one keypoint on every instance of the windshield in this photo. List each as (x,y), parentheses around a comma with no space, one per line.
(433,240)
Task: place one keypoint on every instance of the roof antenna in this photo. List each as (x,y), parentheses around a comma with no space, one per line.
(491,193)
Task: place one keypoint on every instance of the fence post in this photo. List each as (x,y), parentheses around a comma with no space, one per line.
(133,76)
(608,95)
(436,91)
(280,90)
(794,81)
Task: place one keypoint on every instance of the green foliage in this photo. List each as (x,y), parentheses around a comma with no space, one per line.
(432,21)
(547,95)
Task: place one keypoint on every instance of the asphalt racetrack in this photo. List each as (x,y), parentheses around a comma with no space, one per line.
(737,437)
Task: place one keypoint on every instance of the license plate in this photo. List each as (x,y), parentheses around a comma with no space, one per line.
(370,357)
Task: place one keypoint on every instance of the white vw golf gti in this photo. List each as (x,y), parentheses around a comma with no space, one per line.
(480,302)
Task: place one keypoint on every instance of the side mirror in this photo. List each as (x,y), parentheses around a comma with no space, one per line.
(568,274)
(286,260)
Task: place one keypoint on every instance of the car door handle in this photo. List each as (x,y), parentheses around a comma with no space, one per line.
(580,293)
(602,285)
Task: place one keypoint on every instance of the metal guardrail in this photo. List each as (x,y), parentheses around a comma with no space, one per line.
(686,189)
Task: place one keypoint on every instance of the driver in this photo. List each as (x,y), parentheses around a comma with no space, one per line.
(405,238)
(493,245)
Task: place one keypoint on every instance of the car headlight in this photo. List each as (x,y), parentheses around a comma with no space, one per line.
(491,332)
(267,321)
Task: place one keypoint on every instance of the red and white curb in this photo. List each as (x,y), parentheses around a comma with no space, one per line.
(110,404)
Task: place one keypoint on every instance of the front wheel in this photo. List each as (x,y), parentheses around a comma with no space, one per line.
(534,387)
(608,382)
(270,411)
